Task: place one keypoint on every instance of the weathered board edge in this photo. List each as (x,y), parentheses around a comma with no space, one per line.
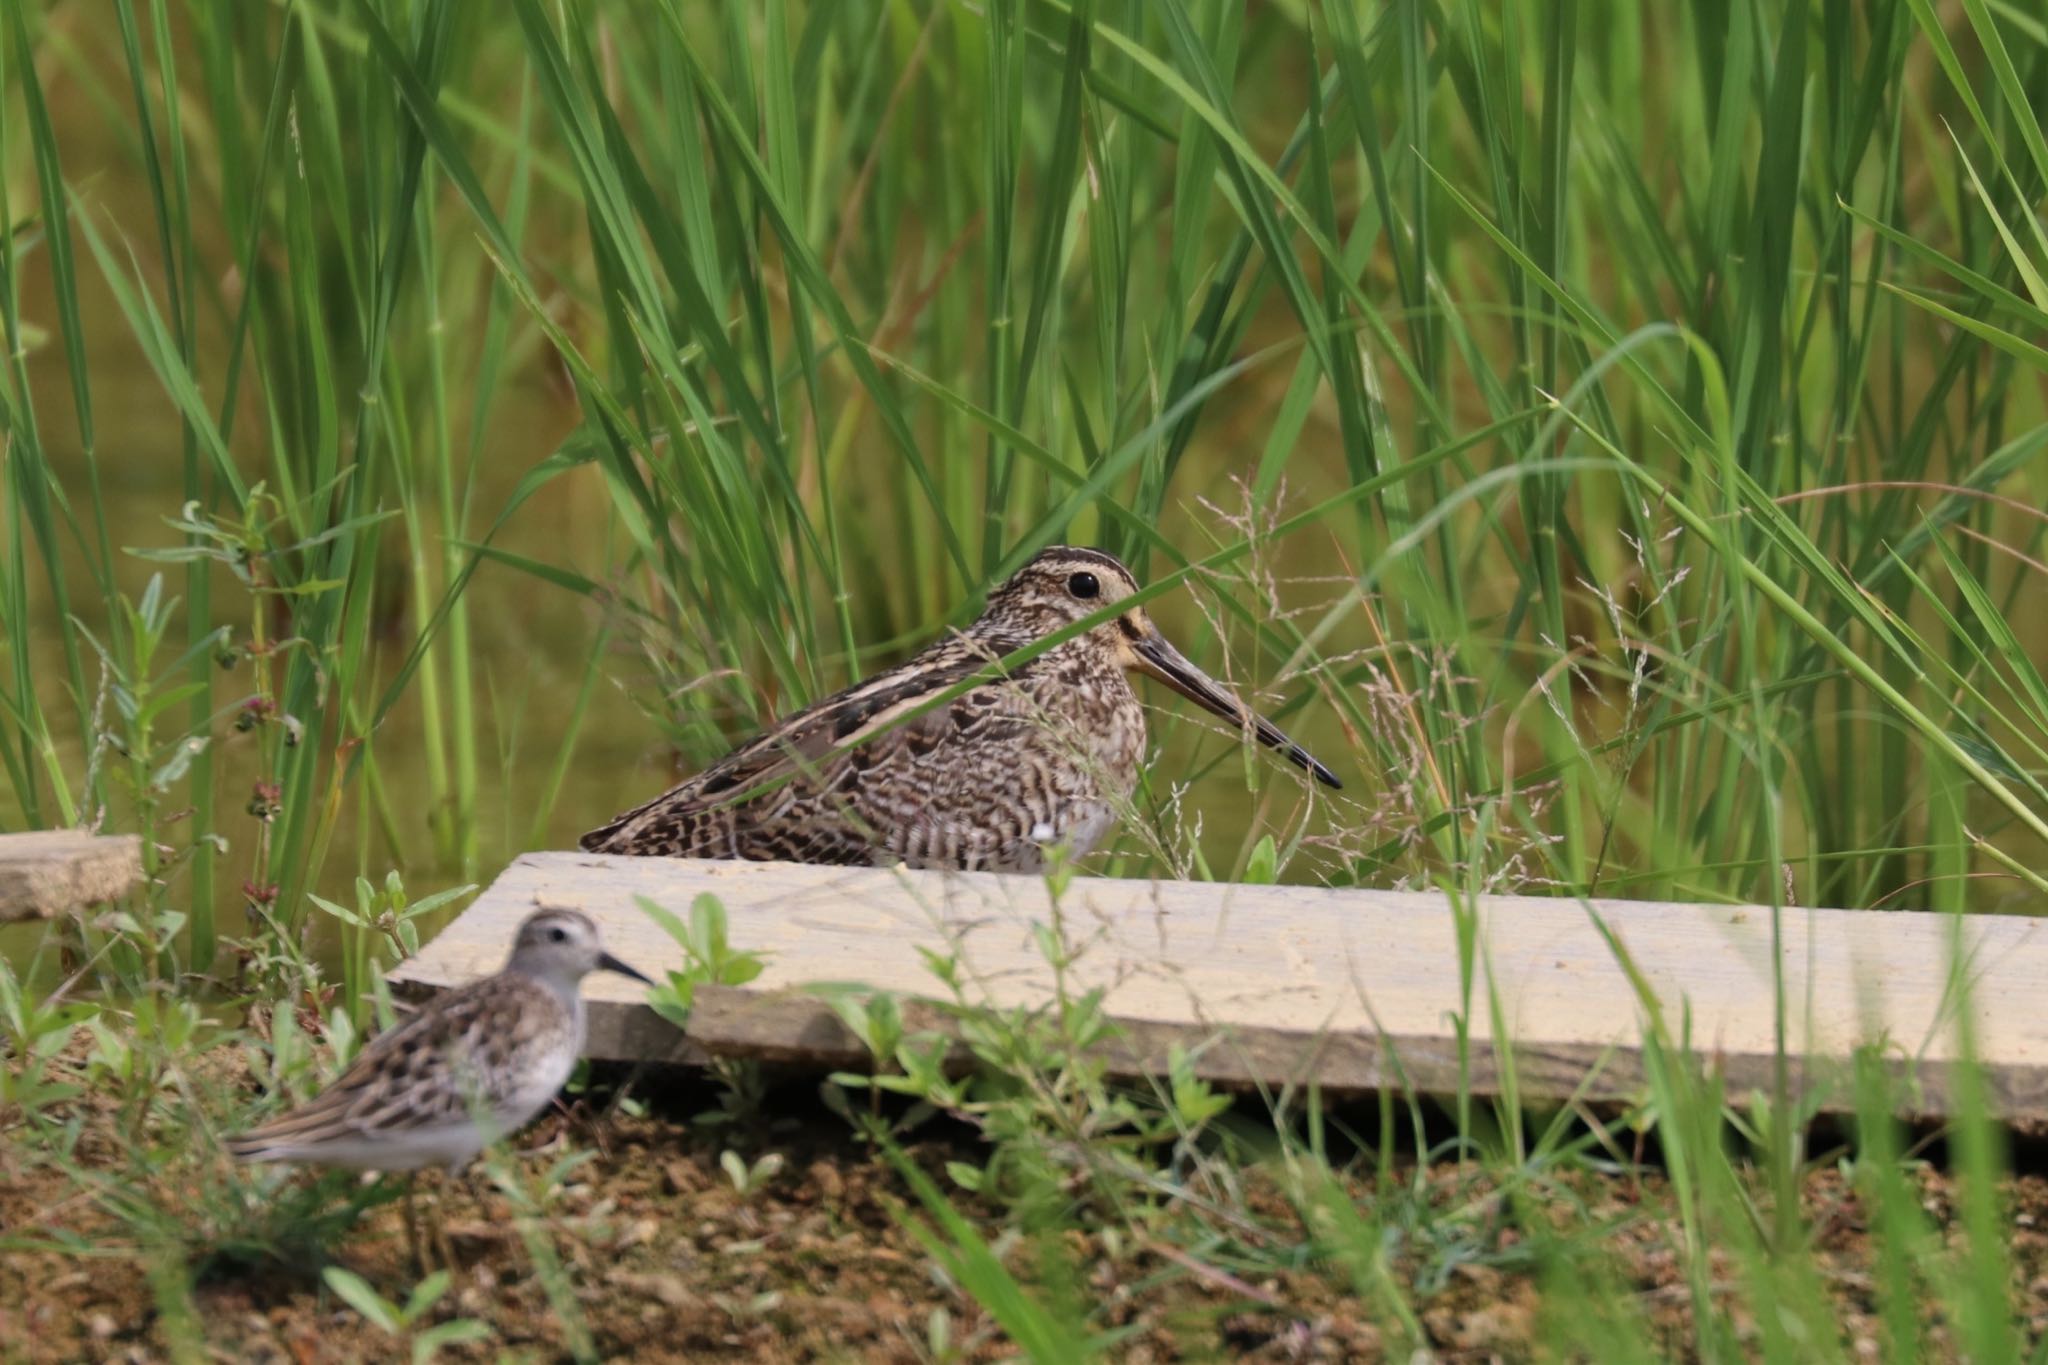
(791,1025)
(48,873)
(800,1030)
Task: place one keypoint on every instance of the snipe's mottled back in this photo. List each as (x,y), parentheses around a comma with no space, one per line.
(1042,755)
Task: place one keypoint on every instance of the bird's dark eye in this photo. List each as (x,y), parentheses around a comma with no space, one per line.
(558,935)
(1083,585)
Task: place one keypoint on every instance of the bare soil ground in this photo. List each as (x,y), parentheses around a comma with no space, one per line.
(669,1261)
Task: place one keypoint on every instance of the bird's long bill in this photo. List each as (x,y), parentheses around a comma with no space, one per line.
(607,963)
(1161,660)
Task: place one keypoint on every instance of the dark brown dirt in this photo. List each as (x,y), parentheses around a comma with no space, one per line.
(670,1262)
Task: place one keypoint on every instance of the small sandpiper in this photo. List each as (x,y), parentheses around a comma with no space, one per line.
(472,1066)
(1044,754)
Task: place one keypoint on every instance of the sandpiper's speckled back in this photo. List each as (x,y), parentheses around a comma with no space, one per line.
(987,780)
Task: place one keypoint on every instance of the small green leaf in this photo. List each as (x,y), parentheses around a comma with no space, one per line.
(1263,866)
(426,1294)
(741,968)
(180,761)
(435,901)
(356,1292)
(853,1013)
(349,917)
(428,1344)
(885,1023)
(1994,759)
(707,926)
(670,924)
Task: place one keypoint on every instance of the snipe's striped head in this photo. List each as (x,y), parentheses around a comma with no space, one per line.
(1063,585)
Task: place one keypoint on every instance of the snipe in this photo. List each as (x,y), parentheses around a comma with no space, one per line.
(1044,754)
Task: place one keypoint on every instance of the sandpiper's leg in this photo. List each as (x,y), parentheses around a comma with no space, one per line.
(455,1175)
(412,1224)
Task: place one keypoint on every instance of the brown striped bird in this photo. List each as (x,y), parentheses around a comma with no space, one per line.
(1042,753)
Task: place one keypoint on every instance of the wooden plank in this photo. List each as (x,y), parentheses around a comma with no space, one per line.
(1278,985)
(59,872)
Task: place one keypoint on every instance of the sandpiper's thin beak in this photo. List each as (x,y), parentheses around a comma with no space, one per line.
(1159,659)
(607,963)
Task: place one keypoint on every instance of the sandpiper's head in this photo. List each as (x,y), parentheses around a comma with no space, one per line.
(1062,585)
(557,944)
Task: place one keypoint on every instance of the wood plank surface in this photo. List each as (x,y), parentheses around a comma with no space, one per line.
(58,872)
(1279,985)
